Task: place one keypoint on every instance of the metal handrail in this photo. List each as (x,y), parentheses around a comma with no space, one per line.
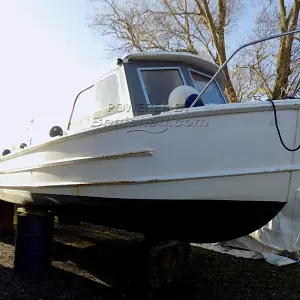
(237,50)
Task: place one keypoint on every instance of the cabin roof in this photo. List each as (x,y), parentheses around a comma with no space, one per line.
(187,58)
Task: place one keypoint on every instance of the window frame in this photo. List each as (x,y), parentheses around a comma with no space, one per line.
(190,70)
(139,71)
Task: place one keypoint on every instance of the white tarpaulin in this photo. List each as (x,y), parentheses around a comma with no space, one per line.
(274,259)
(281,236)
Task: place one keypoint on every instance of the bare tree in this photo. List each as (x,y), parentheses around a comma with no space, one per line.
(288,22)
(195,26)
(202,27)
(270,68)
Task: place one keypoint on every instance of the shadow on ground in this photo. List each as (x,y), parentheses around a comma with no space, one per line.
(59,285)
(8,238)
(82,264)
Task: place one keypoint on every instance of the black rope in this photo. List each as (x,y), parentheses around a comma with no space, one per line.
(278,131)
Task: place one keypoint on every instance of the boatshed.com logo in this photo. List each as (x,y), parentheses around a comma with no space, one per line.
(151,126)
(149,118)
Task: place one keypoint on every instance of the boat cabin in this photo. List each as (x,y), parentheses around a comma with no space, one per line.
(141,84)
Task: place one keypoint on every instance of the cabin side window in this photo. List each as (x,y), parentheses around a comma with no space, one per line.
(107,94)
(213,94)
(158,83)
(99,100)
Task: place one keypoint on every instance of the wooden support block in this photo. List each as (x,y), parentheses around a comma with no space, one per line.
(166,262)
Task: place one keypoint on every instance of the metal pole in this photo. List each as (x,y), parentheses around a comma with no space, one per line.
(237,50)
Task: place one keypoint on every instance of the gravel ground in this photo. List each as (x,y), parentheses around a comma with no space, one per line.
(90,263)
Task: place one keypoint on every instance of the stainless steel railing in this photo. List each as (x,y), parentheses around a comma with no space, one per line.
(235,52)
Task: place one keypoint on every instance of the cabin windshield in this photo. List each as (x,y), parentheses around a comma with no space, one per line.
(213,94)
(158,83)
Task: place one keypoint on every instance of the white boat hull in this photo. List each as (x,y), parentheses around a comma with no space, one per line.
(228,153)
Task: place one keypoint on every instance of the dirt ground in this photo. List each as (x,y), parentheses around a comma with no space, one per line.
(91,263)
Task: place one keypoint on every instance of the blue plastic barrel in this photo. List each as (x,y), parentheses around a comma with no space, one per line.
(33,243)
